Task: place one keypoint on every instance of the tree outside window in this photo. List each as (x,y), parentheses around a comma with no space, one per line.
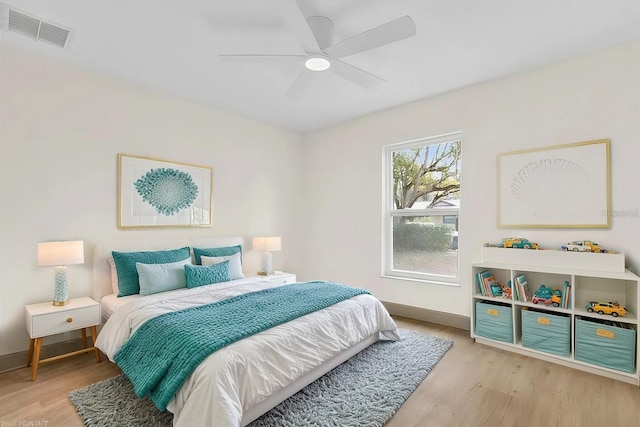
(422,179)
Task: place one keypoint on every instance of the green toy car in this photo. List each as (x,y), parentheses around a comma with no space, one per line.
(518,242)
(544,295)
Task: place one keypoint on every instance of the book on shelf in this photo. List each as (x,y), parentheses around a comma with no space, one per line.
(514,291)
(523,287)
(480,277)
(487,283)
(566,295)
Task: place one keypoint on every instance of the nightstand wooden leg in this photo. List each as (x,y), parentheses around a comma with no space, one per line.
(31,351)
(94,336)
(84,338)
(36,359)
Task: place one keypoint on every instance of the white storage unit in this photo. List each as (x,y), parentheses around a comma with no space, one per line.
(593,277)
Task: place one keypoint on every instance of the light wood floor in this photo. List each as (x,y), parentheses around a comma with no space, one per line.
(473,385)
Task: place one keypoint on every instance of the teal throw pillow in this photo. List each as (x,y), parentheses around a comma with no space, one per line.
(200,275)
(222,251)
(128,281)
(156,278)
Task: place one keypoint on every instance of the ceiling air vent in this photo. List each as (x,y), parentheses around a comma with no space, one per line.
(34,27)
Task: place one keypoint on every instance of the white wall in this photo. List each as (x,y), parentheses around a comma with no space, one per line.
(60,131)
(592,97)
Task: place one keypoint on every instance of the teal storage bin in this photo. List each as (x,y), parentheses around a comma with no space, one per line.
(494,321)
(607,346)
(546,332)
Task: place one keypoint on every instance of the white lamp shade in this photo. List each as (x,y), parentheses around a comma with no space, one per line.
(61,253)
(267,244)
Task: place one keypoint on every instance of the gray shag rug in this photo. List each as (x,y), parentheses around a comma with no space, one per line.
(366,390)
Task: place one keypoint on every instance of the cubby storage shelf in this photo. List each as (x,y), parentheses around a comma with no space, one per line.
(612,342)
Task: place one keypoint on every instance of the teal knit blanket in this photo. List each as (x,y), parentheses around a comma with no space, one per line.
(166,349)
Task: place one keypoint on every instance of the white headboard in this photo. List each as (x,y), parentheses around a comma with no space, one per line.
(101,275)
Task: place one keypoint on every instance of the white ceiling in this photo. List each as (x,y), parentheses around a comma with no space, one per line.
(173,46)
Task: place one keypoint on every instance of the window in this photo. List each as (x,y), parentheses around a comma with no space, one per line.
(421,208)
(450,219)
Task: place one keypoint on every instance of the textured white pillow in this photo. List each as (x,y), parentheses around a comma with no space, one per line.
(155,278)
(235,264)
(114,276)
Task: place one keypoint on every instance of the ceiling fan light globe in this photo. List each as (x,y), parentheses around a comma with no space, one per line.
(317,63)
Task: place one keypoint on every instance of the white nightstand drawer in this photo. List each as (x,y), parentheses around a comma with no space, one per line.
(44,319)
(281,278)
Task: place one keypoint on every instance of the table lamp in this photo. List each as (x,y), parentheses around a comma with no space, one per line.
(61,254)
(267,245)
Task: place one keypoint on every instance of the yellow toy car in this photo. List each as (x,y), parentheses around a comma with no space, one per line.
(612,308)
(582,246)
(518,242)
(556,298)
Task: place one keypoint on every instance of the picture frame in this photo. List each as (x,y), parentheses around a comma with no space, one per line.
(161,193)
(562,186)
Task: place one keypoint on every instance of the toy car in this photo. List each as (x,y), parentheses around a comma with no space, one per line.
(611,307)
(496,289)
(543,294)
(518,242)
(556,297)
(582,246)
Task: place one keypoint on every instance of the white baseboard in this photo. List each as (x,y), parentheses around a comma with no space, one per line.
(18,360)
(431,316)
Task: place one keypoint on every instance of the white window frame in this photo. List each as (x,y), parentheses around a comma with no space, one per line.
(389,212)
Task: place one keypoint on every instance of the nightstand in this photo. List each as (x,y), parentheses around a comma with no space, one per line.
(45,319)
(280,278)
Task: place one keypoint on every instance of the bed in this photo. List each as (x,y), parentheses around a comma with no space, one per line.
(240,382)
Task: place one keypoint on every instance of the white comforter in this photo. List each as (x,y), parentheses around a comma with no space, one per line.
(243,374)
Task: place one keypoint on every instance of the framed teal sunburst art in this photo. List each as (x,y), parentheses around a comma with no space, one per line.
(160,193)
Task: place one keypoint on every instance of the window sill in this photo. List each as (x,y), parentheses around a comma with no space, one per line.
(414,279)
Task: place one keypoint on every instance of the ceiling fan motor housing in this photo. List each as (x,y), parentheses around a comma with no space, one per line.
(317,62)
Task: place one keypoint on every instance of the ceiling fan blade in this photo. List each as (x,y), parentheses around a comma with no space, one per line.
(390,32)
(322,28)
(301,84)
(297,22)
(355,74)
(258,57)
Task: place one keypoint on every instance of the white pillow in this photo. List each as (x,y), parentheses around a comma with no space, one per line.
(155,278)
(235,264)
(114,276)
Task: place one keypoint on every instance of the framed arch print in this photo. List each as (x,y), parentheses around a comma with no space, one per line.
(562,186)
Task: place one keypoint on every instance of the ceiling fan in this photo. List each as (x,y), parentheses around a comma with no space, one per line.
(321,54)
